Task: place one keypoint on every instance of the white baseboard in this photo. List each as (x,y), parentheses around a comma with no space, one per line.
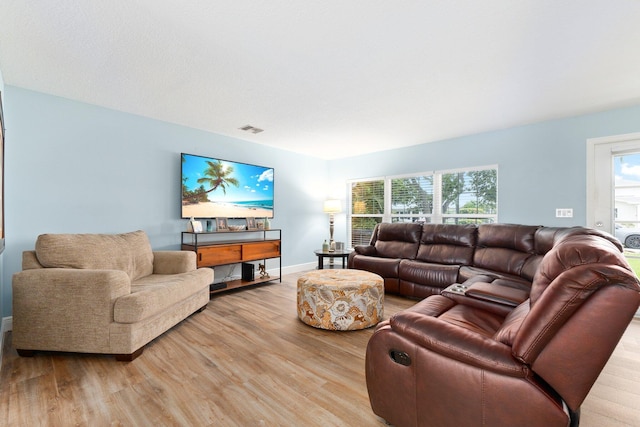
(297,268)
(7,325)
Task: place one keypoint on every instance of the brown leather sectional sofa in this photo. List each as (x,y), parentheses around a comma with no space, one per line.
(517,323)
(418,260)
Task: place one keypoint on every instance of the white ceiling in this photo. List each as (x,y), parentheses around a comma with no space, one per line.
(330,78)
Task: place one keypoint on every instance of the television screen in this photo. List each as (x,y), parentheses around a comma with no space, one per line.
(216,188)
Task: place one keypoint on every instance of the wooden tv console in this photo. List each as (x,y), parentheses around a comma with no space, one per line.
(234,247)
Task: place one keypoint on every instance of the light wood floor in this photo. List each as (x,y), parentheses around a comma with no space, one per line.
(245,361)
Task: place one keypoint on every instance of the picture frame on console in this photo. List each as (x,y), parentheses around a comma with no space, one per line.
(195,226)
(251,224)
(222,224)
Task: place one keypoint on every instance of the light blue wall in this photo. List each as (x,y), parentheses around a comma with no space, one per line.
(2,311)
(541,166)
(73,167)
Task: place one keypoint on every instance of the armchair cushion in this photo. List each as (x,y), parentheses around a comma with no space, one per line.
(128,252)
(156,293)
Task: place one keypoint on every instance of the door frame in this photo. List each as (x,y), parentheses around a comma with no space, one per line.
(598,187)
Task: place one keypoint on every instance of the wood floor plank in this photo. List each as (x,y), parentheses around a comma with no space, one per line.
(245,361)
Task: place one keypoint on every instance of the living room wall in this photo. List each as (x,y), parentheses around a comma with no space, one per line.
(74,167)
(77,168)
(2,315)
(541,166)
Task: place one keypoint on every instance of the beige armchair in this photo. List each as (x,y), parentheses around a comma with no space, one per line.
(101,293)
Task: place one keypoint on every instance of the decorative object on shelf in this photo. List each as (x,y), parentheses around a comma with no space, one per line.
(260,224)
(209,225)
(339,246)
(221,224)
(325,246)
(267,224)
(332,207)
(251,224)
(263,271)
(195,226)
(237,227)
(248,271)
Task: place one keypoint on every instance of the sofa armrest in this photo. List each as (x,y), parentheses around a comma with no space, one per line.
(173,262)
(490,297)
(365,250)
(496,293)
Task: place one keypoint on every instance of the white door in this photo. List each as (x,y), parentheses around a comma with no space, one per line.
(613,183)
(613,191)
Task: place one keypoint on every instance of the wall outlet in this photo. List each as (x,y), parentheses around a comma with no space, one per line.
(564,213)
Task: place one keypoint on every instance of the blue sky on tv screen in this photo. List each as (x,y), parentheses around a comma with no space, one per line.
(255,182)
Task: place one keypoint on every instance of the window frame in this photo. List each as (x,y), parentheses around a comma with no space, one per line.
(435,217)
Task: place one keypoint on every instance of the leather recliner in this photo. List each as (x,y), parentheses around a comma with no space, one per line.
(453,360)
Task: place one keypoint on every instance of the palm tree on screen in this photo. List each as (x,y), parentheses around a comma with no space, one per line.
(218,176)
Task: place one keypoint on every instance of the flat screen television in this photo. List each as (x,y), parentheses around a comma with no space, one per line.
(216,188)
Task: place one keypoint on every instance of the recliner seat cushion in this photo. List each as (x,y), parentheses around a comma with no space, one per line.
(385,267)
(156,293)
(431,274)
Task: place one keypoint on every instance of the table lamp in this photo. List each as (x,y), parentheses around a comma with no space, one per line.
(332,207)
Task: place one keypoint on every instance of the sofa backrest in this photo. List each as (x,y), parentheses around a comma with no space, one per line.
(582,297)
(397,240)
(544,240)
(128,252)
(547,237)
(447,243)
(504,247)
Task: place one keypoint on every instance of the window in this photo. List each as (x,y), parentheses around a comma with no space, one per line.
(448,197)
(366,209)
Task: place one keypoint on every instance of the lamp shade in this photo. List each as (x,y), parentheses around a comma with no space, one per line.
(332,206)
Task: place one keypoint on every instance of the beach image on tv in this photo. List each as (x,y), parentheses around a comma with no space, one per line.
(214,188)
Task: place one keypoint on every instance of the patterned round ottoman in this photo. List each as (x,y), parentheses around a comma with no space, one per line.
(340,300)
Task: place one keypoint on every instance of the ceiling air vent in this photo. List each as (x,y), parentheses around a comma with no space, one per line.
(252,129)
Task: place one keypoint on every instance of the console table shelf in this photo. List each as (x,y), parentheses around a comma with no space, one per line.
(234,247)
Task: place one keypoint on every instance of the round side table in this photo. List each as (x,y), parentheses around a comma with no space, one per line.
(344,254)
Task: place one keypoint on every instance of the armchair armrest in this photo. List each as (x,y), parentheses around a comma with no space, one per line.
(65,309)
(75,286)
(173,262)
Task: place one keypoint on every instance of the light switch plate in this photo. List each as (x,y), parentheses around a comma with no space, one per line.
(564,213)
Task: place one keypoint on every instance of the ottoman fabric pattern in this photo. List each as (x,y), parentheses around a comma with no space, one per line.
(340,300)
